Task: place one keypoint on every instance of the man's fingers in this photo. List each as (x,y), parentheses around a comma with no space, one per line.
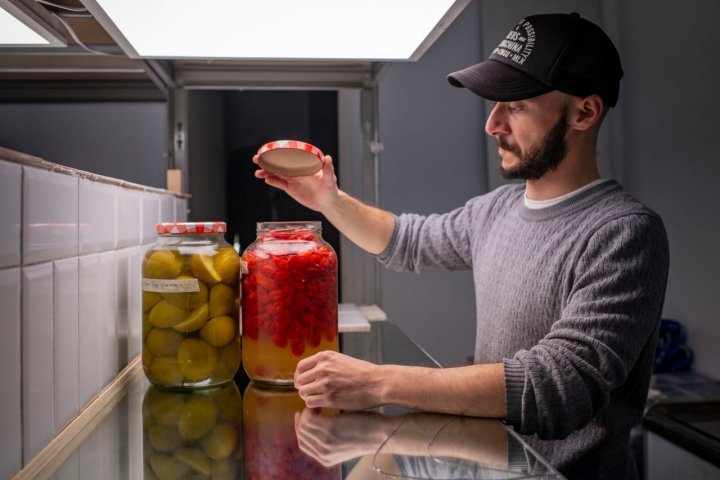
(276,182)
(305,376)
(328,169)
(314,401)
(308,433)
(316,387)
(315,440)
(314,424)
(306,364)
(306,443)
(255,159)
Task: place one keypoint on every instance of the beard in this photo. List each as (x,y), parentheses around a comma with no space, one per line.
(543,157)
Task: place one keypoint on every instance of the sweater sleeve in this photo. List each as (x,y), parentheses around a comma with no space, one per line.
(436,240)
(613,309)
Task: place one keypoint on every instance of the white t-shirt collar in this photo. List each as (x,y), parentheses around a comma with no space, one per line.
(538,204)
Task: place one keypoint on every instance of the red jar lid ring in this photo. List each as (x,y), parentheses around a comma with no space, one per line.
(290,158)
(190,227)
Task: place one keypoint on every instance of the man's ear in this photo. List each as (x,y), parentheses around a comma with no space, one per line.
(586,112)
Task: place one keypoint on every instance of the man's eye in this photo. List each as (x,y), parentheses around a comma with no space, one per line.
(515,109)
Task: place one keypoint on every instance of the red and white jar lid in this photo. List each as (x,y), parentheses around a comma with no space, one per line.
(290,158)
(181,228)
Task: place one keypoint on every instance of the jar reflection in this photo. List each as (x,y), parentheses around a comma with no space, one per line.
(192,434)
(271,446)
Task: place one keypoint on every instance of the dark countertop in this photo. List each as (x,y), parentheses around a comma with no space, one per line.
(245,431)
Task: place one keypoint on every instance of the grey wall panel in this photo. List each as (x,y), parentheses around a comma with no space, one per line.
(433,162)
(120,140)
(671,147)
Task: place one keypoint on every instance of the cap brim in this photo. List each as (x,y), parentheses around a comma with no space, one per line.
(498,82)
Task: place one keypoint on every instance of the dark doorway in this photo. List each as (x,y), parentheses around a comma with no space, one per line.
(253,118)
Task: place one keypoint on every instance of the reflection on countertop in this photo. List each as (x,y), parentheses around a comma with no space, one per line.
(246,430)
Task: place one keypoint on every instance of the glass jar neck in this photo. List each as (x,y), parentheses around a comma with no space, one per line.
(288,228)
(205,238)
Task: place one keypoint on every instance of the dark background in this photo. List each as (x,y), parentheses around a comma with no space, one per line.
(254,118)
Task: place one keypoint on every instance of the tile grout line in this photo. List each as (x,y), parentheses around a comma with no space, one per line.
(77,256)
(22,311)
(77,299)
(52,332)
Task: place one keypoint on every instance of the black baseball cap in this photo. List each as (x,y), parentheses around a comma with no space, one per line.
(543,53)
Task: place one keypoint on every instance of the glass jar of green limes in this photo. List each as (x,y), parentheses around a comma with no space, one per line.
(191,306)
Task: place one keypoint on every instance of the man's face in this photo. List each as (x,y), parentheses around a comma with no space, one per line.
(530,136)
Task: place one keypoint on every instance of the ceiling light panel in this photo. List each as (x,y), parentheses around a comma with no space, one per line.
(14,32)
(274,29)
(24,23)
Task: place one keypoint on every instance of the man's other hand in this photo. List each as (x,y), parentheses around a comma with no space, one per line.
(333,380)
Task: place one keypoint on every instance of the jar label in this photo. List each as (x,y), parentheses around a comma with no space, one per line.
(170,286)
(207,250)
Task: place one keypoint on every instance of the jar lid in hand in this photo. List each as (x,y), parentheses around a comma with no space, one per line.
(290,158)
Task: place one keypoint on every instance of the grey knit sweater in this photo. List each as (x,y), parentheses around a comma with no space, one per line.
(569,299)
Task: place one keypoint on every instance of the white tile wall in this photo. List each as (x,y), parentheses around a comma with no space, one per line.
(151,216)
(65,298)
(128,218)
(122,303)
(180,209)
(167,208)
(90,458)
(88,329)
(50,216)
(37,358)
(70,306)
(135,430)
(10,428)
(135,301)
(10,214)
(107,322)
(108,433)
(97,216)
(70,468)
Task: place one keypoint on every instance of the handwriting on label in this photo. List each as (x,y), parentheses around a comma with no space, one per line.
(170,286)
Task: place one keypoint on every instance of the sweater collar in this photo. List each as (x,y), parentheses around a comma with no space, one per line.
(576,202)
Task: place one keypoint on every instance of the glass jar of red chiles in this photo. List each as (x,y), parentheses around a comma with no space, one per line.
(290,306)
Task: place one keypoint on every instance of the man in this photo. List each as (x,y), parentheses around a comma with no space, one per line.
(569,270)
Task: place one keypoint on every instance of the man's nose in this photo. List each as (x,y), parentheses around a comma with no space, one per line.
(496,124)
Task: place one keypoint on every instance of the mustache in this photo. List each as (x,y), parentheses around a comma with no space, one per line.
(500,142)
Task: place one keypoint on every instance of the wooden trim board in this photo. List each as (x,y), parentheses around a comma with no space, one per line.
(64,444)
